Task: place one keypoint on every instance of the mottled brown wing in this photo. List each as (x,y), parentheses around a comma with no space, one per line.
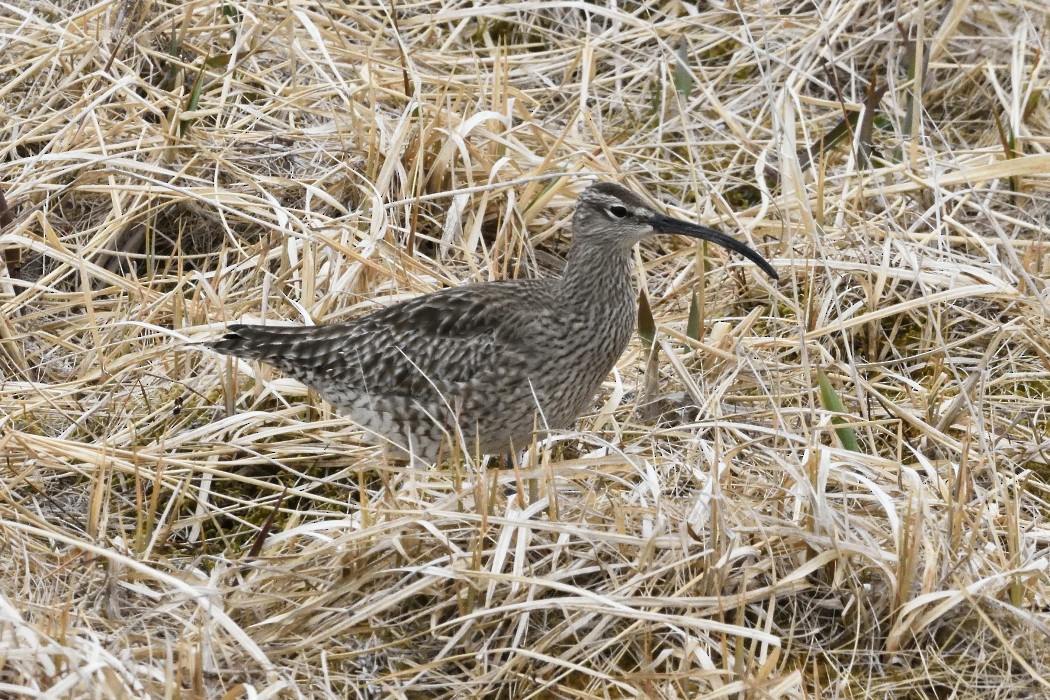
(434,343)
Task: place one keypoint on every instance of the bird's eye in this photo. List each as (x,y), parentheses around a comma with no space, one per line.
(616,211)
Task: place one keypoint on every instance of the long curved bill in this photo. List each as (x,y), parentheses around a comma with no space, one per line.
(667,224)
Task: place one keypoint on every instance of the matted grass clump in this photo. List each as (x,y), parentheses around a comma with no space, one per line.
(831,486)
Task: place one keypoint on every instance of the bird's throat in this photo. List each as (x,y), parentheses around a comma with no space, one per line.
(598,281)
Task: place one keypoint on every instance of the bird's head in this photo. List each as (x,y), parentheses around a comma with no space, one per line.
(610,215)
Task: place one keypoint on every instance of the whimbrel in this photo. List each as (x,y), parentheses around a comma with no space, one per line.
(487,363)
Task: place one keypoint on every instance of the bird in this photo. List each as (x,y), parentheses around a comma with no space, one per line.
(489,366)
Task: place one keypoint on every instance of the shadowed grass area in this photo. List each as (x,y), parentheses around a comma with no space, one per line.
(177,524)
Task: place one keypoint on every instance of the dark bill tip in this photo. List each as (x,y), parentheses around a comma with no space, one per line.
(667,224)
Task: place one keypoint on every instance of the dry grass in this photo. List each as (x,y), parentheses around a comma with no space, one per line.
(176,526)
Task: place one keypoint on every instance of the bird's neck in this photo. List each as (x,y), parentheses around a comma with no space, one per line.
(598,277)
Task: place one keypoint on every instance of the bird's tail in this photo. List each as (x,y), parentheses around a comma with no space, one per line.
(270,343)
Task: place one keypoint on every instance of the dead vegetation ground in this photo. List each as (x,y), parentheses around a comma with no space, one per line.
(839,492)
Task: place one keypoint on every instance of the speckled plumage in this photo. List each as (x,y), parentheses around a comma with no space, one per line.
(496,359)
